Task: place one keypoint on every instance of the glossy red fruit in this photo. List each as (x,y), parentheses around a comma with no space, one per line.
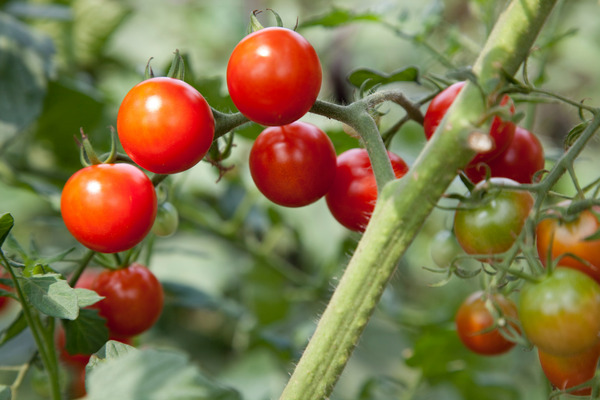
(109,207)
(477,322)
(165,125)
(568,239)
(133,299)
(352,197)
(523,157)
(293,165)
(274,76)
(570,371)
(501,132)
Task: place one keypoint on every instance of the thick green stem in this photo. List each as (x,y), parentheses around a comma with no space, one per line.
(404,204)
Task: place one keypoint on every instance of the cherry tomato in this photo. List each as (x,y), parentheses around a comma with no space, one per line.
(478,319)
(501,132)
(274,76)
(5,300)
(523,157)
(133,299)
(559,314)
(569,371)
(167,220)
(109,207)
(165,125)
(570,237)
(492,226)
(293,165)
(353,195)
(444,248)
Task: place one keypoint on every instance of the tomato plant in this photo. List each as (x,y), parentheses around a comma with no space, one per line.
(491,224)
(523,157)
(109,207)
(167,220)
(570,371)
(352,196)
(165,125)
(559,314)
(293,165)
(479,320)
(501,132)
(567,237)
(133,299)
(444,248)
(274,76)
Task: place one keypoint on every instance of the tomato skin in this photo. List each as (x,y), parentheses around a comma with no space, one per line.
(493,227)
(293,165)
(352,197)
(165,125)
(274,76)
(523,157)
(569,237)
(559,314)
(109,207)
(133,300)
(473,317)
(567,372)
(501,132)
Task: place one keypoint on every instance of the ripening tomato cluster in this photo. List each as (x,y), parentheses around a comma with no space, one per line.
(559,312)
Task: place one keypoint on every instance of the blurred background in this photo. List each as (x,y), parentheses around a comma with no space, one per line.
(246,280)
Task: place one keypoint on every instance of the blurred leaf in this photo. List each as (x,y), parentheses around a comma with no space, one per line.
(366,78)
(24,69)
(87,333)
(6,224)
(16,327)
(381,388)
(151,375)
(51,295)
(86,297)
(5,393)
(46,11)
(111,350)
(338,16)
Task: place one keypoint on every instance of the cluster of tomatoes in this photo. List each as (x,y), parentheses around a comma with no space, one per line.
(558,311)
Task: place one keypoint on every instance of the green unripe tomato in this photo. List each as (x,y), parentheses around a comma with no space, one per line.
(167,220)
(444,248)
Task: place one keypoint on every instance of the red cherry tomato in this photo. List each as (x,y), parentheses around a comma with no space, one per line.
(570,371)
(293,165)
(109,207)
(353,195)
(165,125)
(523,157)
(492,226)
(501,132)
(133,299)
(476,319)
(559,314)
(274,76)
(569,237)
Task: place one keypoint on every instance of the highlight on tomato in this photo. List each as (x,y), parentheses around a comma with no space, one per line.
(492,223)
(501,131)
(480,319)
(523,157)
(133,299)
(559,314)
(109,207)
(568,237)
(165,125)
(274,76)
(566,372)
(352,197)
(293,165)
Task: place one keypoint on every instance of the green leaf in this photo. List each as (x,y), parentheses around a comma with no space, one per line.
(6,223)
(16,327)
(575,133)
(51,295)
(24,69)
(366,78)
(86,297)
(339,16)
(149,374)
(5,392)
(86,334)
